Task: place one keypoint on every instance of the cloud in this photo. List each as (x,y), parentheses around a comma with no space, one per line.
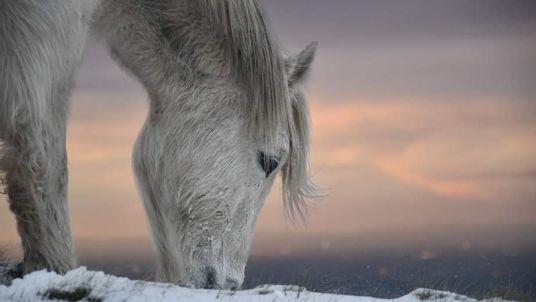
(420,142)
(343,21)
(414,49)
(455,188)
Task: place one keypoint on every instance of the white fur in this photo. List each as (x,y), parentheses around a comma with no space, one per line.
(220,93)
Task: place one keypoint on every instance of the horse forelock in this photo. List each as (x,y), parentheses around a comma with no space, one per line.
(259,65)
(256,63)
(254,59)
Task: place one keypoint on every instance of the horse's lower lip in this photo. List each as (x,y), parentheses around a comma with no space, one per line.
(211,281)
(232,284)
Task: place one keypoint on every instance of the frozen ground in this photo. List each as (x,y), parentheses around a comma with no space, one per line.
(91,286)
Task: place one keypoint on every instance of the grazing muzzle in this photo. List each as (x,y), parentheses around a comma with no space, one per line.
(204,177)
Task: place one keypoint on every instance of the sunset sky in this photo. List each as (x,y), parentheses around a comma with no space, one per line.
(423,124)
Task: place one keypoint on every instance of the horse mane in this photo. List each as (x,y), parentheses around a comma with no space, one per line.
(232,38)
(256,61)
(298,189)
(238,31)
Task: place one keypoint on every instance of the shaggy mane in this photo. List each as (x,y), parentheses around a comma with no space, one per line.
(259,65)
(234,35)
(255,61)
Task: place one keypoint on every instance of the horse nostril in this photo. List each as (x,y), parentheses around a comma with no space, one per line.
(210,278)
(232,284)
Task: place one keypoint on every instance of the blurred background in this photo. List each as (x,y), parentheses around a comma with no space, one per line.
(424,133)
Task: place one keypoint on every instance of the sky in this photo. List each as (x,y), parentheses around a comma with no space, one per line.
(423,130)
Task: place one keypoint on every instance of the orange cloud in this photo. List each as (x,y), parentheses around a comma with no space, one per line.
(428,144)
(396,168)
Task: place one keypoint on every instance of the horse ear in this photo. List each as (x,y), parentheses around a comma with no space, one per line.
(298,66)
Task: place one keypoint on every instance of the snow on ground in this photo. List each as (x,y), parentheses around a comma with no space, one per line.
(84,285)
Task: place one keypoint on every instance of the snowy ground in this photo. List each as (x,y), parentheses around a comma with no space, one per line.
(83,285)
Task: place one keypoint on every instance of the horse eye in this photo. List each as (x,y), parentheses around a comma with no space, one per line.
(268,163)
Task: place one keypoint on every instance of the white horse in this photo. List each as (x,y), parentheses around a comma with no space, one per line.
(227,113)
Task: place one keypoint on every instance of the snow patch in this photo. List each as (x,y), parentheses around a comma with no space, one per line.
(91,286)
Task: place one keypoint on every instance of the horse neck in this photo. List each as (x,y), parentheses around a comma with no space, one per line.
(141,40)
